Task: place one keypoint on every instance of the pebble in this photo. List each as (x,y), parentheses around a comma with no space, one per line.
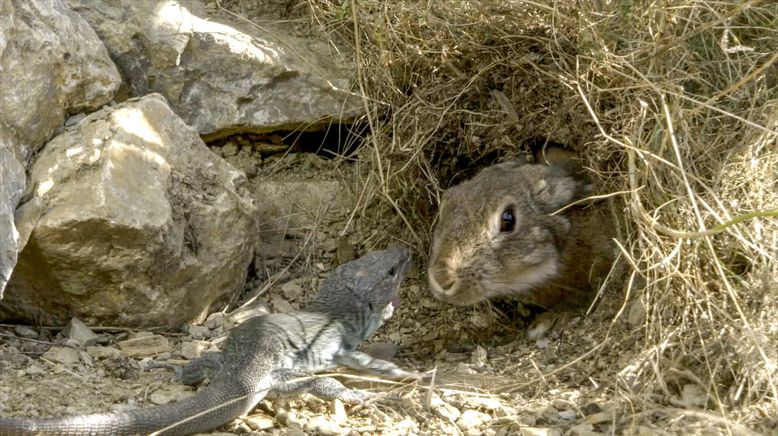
(79,332)
(260,422)
(192,349)
(338,411)
(34,370)
(292,290)
(198,331)
(471,419)
(582,430)
(591,409)
(444,410)
(488,403)
(479,357)
(281,305)
(61,355)
(289,419)
(323,426)
(568,414)
(216,321)
(25,332)
(542,343)
(100,352)
(599,417)
(540,431)
(464,368)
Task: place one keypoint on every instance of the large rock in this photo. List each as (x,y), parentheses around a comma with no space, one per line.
(221,76)
(51,64)
(131,221)
(11,188)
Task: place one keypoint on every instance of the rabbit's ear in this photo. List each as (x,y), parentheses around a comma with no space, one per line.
(553,191)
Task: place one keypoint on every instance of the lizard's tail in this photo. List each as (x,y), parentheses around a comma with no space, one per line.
(215,405)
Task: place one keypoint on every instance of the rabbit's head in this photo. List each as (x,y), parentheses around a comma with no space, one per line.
(496,234)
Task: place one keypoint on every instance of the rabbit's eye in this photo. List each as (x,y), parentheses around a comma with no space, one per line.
(507,220)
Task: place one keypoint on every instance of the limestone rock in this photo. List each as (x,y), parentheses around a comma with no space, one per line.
(222,76)
(133,221)
(61,355)
(53,64)
(79,332)
(11,188)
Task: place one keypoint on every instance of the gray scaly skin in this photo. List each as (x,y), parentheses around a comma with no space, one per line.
(268,355)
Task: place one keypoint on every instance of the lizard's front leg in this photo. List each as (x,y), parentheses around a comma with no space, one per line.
(365,362)
(293,382)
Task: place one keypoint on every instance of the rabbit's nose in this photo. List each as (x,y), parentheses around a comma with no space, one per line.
(442,278)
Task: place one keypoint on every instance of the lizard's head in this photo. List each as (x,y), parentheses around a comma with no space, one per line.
(365,286)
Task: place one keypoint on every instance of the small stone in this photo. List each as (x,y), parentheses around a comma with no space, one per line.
(479,357)
(338,411)
(542,343)
(281,305)
(549,413)
(34,370)
(591,409)
(583,430)
(487,403)
(170,393)
(25,332)
(472,419)
(381,350)
(259,422)
(568,414)
(289,419)
(198,331)
(217,320)
(192,349)
(144,344)
(443,409)
(100,352)
(479,320)
(323,426)
(540,431)
(164,356)
(79,332)
(292,290)
(599,417)
(85,357)
(61,355)
(464,368)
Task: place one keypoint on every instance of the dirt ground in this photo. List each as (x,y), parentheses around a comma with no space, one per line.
(489,377)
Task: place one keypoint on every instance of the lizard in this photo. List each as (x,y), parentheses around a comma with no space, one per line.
(269,355)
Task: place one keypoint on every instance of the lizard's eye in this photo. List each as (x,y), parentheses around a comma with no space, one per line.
(393,271)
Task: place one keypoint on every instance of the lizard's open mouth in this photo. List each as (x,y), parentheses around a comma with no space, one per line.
(395,301)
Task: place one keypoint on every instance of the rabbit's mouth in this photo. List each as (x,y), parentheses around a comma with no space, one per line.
(446,286)
(468,289)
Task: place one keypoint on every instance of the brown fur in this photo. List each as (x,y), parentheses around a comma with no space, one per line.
(552,260)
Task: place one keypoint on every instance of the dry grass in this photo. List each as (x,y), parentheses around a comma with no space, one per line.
(674,104)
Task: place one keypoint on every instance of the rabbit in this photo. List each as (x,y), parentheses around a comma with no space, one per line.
(497,235)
